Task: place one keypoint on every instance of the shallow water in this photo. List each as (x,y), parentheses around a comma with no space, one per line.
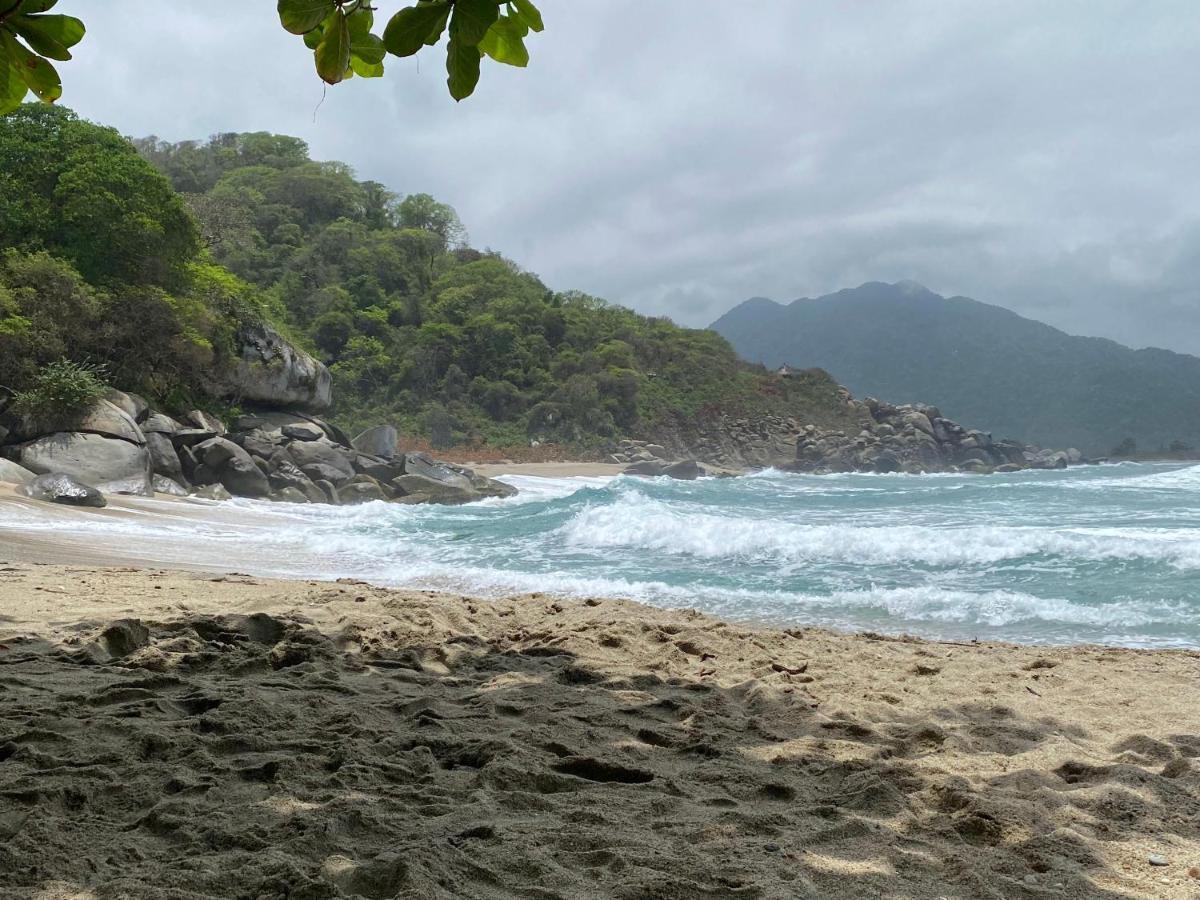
(1107,554)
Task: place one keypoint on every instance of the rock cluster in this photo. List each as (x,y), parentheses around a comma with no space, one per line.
(655,461)
(122,446)
(917,438)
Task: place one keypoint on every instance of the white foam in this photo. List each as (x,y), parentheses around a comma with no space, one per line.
(635,521)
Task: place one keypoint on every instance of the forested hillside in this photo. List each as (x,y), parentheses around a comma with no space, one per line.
(982,364)
(144,263)
(445,340)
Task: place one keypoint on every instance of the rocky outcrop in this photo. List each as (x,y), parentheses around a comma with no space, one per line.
(720,442)
(266,369)
(111,464)
(59,488)
(915,439)
(378,441)
(13,474)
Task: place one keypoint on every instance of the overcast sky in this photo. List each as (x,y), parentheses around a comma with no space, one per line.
(679,156)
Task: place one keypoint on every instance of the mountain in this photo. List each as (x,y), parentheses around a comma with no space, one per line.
(978,363)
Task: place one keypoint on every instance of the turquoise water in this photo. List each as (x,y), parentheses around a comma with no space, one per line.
(1107,554)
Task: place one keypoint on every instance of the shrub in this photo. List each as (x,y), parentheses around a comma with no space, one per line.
(60,391)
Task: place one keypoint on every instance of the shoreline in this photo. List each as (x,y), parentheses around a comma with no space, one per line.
(586,748)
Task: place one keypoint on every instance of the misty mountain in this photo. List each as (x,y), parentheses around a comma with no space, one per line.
(978,363)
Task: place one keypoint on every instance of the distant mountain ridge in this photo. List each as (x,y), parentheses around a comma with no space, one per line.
(978,363)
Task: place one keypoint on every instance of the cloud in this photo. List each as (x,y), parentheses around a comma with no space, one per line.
(680,156)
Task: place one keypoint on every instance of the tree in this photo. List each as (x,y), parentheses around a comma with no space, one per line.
(340,34)
(423,212)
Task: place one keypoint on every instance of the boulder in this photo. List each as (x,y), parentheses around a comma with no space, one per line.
(289,495)
(190,437)
(163,458)
(57,487)
(328,489)
(658,451)
(322,460)
(12,473)
(379,441)
(110,464)
(266,369)
(157,423)
(303,431)
(212,492)
(360,492)
(102,418)
(885,463)
(164,485)
(233,467)
(685,470)
(424,489)
(197,418)
(919,421)
(379,469)
(133,405)
(243,478)
(423,464)
(653,468)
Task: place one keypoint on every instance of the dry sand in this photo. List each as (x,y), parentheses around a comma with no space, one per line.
(168,735)
(549,469)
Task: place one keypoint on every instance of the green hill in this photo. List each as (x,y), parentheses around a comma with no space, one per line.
(980,364)
(147,259)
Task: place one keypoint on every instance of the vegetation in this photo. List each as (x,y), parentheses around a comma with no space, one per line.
(447,341)
(340,34)
(148,265)
(61,389)
(101,263)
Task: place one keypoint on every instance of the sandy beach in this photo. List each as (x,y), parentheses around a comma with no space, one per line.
(179,734)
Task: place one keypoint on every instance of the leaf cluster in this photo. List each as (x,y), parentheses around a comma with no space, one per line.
(31,36)
(340,34)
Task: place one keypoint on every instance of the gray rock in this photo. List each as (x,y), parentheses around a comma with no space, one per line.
(360,492)
(164,485)
(243,478)
(334,463)
(57,487)
(197,418)
(215,452)
(379,469)
(303,431)
(328,489)
(289,495)
(886,462)
(212,492)
(133,405)
(110,464)
(378,441)
(190,437)
(653,468)
(685,470)
(424,489)
(656,450)
(267,369)
(157,423)
(14,474)
(1157,859)
(102,418)
(163,458)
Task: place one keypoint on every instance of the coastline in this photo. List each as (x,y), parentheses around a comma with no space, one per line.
(585,748)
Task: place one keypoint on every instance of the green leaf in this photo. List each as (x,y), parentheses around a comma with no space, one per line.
(409,30)
(300,16)
(364,69)
(41,77)
(529,13)
(365,46)
(12,85)
(462,63)
(50,36)
(472,19)
(504,43)
(333,53)
(28,7)
(313,38)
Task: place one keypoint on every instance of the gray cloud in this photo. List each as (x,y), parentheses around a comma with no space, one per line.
(680,156)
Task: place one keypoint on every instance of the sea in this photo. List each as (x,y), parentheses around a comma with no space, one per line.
(1098,554)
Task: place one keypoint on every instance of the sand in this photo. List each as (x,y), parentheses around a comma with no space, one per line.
(549,469)
(169,734)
